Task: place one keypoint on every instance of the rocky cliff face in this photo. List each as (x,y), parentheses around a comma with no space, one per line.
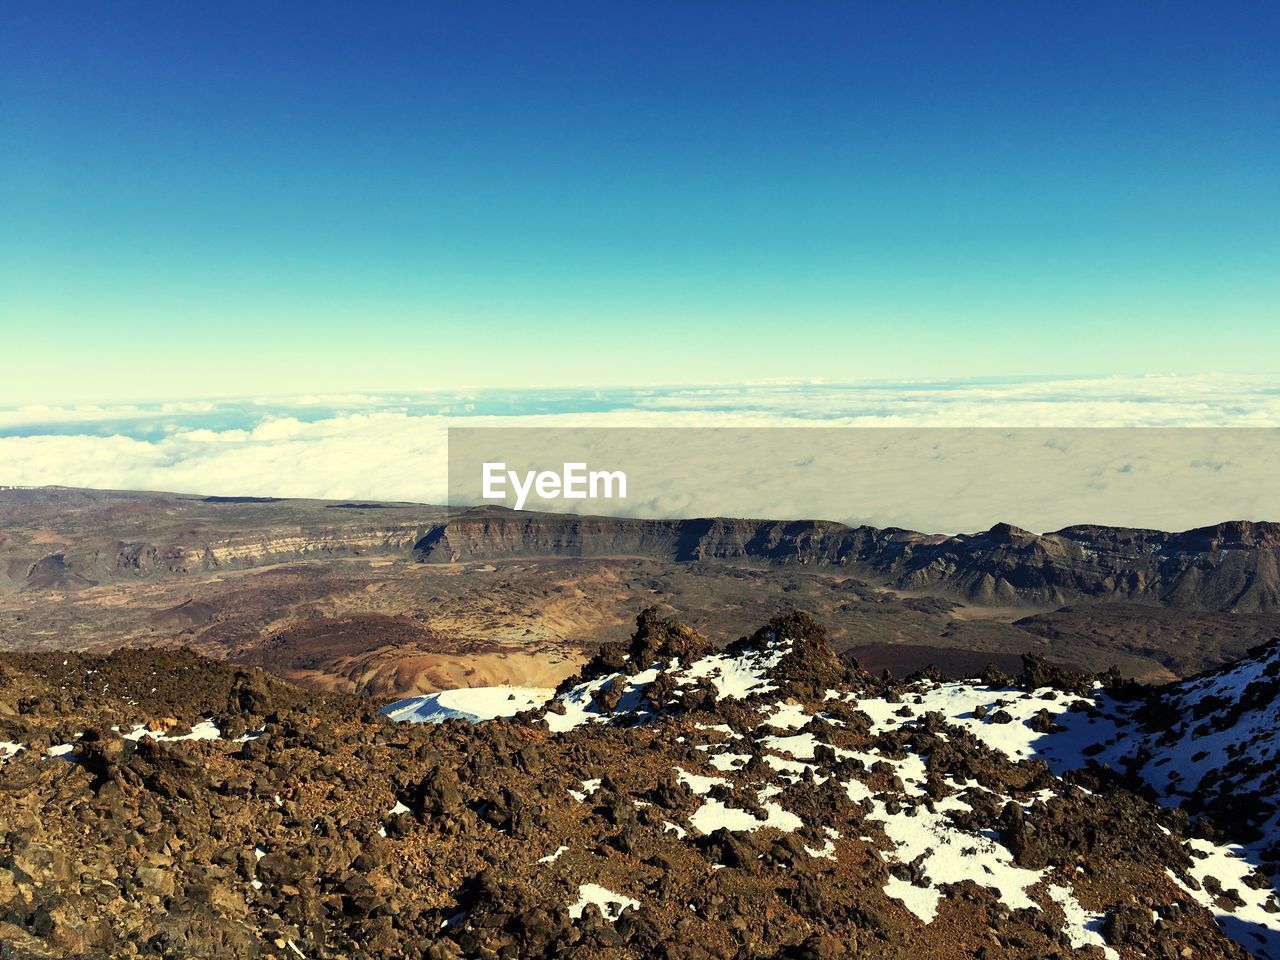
(80,566)
(489,534)
(56,539)
(1229,567)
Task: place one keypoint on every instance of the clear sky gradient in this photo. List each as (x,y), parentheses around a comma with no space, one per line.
(277,197)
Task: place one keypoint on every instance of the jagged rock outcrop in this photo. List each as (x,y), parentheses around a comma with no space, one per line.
(1229,567)
(675,801)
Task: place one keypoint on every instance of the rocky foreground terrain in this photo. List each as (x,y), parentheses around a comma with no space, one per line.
(676,798)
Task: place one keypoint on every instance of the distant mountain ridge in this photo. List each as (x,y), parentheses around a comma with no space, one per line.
(1228,567)
(105,536)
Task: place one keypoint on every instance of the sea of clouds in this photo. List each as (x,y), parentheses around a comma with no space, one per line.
(395,447)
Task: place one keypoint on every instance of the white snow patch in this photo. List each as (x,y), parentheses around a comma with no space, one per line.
(472,704)
(828,851)
(922,901)
(957,700)
(204,730)
(737,676)
(728,761)
(953,856)
(700,785)
(611,904)
(713,814)
(799,745)
(788,716)
(858,791)
(588,788)
(579,703)
(1227,864)
(1082,926)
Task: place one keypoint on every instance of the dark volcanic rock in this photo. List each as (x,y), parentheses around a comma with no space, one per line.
(751,802)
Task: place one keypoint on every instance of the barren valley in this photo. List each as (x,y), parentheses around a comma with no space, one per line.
(395,599)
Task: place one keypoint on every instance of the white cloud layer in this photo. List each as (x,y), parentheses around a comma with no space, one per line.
(395,448)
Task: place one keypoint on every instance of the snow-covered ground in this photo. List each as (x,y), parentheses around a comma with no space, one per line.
(1068,731)
(469,703)
(1224,742)
(611,904)
(203,730)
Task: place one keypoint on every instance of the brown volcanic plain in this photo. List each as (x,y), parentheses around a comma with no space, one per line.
(394,599)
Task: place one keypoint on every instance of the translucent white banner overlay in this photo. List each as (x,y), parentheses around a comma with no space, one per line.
(942,480)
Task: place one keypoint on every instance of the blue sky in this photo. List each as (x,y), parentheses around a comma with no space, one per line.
(271,198)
